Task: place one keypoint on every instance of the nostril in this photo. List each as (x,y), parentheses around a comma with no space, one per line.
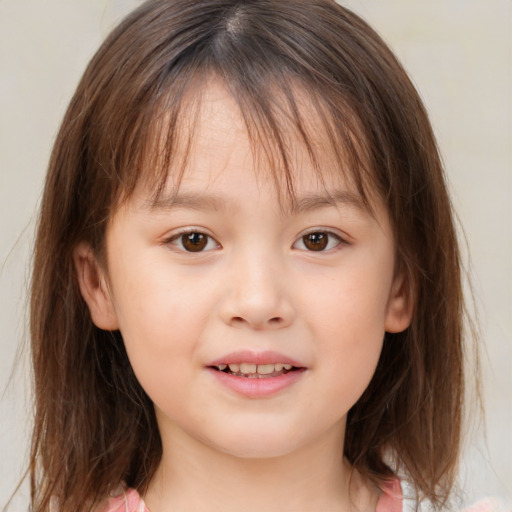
(274,321)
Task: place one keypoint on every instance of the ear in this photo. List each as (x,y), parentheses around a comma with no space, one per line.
(93,286)
(400,305)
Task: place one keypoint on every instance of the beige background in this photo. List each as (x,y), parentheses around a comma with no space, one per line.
(459,53)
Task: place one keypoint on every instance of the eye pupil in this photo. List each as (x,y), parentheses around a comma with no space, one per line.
(194,242)
(316,241)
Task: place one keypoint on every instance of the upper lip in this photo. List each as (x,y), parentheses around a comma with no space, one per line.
(253,357)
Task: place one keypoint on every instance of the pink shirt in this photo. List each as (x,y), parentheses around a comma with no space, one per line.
(130,501)
(390,501)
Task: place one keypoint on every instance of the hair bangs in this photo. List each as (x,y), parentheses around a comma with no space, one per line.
(279,117)
(283,102)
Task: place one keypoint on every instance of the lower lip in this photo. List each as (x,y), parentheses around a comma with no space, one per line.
(258,387)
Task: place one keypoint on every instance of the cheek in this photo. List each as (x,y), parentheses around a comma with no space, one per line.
(161,320)
(352,304)
(348,358)
(160,337)
(348,322)
(155,303)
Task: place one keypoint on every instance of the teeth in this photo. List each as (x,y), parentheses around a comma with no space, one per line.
(247,368)
(253,370)
(265,369)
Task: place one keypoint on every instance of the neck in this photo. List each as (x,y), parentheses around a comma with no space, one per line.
(195,476)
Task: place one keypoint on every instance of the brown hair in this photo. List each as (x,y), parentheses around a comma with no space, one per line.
(95,426)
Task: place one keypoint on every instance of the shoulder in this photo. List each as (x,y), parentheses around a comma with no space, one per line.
(127,500)
(391,497)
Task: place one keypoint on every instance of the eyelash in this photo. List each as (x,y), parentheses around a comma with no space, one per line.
(179,239)
(330,237)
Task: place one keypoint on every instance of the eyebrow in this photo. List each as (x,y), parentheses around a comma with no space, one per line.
(336,198)
(191,201)
(211,202)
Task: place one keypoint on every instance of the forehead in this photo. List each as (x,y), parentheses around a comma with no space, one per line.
(290,142)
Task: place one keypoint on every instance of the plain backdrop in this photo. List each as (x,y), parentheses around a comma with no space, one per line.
(459,54)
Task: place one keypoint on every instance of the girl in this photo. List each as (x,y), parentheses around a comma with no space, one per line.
(246,289)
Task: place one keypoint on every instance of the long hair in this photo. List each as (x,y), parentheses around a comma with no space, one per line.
(94,425)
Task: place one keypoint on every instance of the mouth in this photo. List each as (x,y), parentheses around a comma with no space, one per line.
(256,371)
(255,374)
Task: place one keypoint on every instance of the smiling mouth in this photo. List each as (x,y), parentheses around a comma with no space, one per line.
(256,371)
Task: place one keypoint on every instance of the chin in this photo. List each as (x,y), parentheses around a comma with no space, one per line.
(255,442)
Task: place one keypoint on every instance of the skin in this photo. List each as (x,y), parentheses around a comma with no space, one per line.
(256,286)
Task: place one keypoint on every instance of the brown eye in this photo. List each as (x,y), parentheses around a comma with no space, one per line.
(316,241)
(194,242)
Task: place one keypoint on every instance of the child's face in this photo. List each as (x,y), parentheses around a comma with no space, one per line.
(258,283)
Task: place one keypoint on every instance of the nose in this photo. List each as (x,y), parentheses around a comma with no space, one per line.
(258,295)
